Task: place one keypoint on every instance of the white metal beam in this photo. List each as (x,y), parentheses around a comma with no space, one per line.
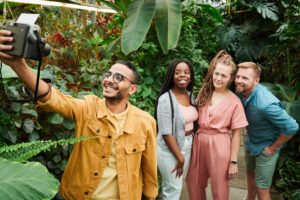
(66,5)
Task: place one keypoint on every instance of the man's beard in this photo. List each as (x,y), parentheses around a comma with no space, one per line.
(116,97)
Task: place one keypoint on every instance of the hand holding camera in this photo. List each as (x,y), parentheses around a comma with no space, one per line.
(6,40)
(22,40)
(27,42)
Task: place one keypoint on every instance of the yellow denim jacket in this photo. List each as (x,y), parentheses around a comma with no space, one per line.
(136,148)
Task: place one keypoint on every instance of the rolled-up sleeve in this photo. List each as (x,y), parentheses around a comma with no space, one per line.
(164,116)
(65,105)
(277,115)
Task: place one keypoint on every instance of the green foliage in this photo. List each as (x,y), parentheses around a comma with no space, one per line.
(81,52)
(29,180)
(168,21)
(287,176)
(138,16)
(24,151)
(136,26)
(267,32)
(265,9)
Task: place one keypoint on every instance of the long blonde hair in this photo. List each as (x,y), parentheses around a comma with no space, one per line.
(207,88)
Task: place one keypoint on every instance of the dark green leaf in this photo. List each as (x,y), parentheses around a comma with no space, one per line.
(34,136)
(55,118)
(51,165)
(146,92)
(10,136)
(28,125)
(16,107)
(148,80)
(57,158)
(214,12)
(68,124)
(18,123)
(12,91)
(28,111)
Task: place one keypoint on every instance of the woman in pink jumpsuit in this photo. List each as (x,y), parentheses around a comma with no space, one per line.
(216,144)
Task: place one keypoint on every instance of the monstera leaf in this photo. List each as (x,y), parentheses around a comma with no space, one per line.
(26,181)
(267,10)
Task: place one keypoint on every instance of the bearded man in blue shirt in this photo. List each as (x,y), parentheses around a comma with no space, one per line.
(270,127)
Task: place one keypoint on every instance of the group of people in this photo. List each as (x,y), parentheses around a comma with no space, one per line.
(198,138)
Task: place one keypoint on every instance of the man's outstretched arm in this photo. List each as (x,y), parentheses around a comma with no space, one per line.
(19,65)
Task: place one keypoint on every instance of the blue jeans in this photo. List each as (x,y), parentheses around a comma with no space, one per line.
(172,185)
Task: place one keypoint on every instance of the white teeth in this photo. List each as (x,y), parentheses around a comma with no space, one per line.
(109,87)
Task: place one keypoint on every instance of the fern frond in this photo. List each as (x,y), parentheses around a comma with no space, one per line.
(24,151)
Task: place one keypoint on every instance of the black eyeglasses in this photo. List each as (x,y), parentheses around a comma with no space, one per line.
(117,77)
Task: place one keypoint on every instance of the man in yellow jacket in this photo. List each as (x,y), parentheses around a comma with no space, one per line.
(120,162)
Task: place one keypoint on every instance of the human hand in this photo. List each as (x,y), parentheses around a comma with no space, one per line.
(179,166)
(269,150)
(5,40)
(232,170)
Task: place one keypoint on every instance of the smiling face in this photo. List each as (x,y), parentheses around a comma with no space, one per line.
(222,76)
(121,90)
(182,76)
(245,81)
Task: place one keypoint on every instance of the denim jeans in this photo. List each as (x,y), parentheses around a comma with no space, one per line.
(172,185)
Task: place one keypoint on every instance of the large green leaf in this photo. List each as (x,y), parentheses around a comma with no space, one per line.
(26,181)
(230,37)
(137,24)
(168,21)
(267,10)
(214,12)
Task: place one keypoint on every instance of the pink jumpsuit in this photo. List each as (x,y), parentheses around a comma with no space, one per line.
(212,146)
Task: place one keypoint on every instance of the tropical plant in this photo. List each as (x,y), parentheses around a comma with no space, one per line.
(287,176)
(29,180)
(78,60)
(138,16)
(247,29)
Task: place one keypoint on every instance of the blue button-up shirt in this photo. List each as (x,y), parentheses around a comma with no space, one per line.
(267,120)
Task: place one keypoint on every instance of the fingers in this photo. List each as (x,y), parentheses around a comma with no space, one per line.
(232,175)
(5,33)
(5,47)
(5,56)
(5,38)
(178,170)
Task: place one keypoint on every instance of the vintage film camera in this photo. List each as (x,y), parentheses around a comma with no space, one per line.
(27,41)
(28,44)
